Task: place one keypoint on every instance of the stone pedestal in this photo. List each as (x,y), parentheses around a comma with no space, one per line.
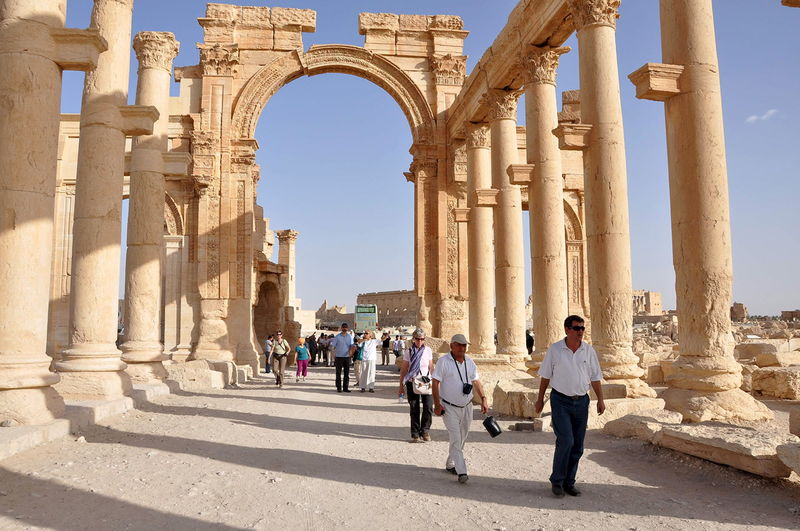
(35,49)
(605,178)
(91,368)
(545,200)
(705,381)
(509,267)
(142,349)
(481,243)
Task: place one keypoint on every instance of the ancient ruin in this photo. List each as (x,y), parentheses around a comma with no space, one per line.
(201,293)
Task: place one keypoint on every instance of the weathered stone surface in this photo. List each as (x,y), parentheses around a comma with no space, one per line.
(747,377)
(794,420)
(619,407)
(780,382)
(750,351)
(778,359)
(789,454)
(516,397)
(195,375)
(644,425)
(733,404)
(743,448)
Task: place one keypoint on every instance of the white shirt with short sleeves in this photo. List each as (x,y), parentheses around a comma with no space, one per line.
(571,373)
(370,346)
(424,362)
(450,385)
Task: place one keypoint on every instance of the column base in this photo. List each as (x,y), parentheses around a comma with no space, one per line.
(38,405)
(636,387)
(181,353)
(142,352)
(700,406)
(149,372)
(99,385)
(201,353)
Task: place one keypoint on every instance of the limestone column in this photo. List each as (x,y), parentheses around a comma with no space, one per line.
(91,368)
(509,267)
(706,378)
(545,200)
(607,229)
(34,49)
(287,256)
(481,242)
(142,349)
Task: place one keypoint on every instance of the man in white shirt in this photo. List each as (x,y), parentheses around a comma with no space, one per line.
(571,367)
(454,378)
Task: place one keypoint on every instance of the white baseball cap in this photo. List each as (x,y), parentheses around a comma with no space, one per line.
(460,339)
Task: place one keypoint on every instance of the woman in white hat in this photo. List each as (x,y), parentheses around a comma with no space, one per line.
(418,364)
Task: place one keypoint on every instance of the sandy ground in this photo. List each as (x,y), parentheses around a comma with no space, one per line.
(306,457)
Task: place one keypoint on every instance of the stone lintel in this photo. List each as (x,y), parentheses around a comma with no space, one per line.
(138,119)
(188,72)
(520,173)
(573,137)
(461,215)
(791,3)
(486,197)
(657,81)
(174,164)
(77,49)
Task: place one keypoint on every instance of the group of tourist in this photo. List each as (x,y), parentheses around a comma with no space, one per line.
(447,388)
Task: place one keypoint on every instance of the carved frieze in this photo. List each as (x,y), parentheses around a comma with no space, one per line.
(478,136)
(155,49)
(204,143)
(449,69)
(378,21)
(447,22)
(539,64)
(594,12)
(502,103)
(219,59)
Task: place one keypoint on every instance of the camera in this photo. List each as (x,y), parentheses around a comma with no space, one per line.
(466,388)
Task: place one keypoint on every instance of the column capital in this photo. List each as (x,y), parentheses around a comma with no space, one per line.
(287,236)
(449,69)
(594,13)
(539,64)
(478,135)
(219,59)
(502,103)
(155,49)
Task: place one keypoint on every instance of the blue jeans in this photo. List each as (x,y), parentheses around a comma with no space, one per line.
(569,418)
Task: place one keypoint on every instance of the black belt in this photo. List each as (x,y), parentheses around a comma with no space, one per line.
(451,404)
(576,397)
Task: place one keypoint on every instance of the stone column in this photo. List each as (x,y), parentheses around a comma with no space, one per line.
(545,200)
(481,242)
(509,267)
(34,49)
(607,231)
(286,256)
(706,377)
(91,368)
(142,349)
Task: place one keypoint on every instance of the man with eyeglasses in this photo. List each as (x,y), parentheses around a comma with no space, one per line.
(571,368)
(341,344)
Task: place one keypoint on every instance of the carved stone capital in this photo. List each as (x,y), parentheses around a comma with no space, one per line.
(539,64)
(478,136)
(219,59)
(155,49)
(423,169)
(287,236)
(594,13)
(449,69)
(502,103)
(204,143)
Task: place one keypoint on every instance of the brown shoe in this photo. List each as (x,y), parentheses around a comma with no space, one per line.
(415,440)
(426,437)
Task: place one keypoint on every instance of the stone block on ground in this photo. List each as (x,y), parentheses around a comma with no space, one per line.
(780,382)
(516,397)
(747,377)
(619,407)
(197,375)
(537,424)
(794,420)
(778,359)
(241,374)
(789,454)
(750,351)
(743,448)
(654,375)
(82,413)
(228,370)
(14,440)
(644,425)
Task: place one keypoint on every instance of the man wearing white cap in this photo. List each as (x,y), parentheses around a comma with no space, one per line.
(454,379)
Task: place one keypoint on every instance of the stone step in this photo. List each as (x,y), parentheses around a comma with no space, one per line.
(20,438)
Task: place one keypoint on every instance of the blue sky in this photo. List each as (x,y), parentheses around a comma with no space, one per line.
(334,147)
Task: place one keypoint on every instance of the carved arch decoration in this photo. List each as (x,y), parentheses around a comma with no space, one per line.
(172,217)
(572,224)
(332,58)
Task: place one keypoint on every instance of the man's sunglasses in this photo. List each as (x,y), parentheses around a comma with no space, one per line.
(577,328)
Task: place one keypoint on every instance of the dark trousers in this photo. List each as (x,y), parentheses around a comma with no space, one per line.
(421,411)
(342,365)
(569,418)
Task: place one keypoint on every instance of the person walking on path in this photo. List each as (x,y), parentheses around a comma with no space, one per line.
(386,341)
(397,347)
(357,352)
(369,354)
(417,361)
(341,344)
(303,358)
(571,368)
(311,343)
(454,379)
(278,355)
(268,353)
